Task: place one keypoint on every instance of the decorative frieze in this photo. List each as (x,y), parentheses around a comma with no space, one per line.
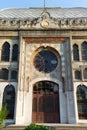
(44,22)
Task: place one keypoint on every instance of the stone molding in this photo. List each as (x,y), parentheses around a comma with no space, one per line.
(45,21)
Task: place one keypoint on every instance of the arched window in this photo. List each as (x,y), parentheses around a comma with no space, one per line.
(75,52)
(84,50)
(5,52)
(77,74)
(85,73)
(4,74)
(14,75)
(15,53)
(82,101)
(9,100)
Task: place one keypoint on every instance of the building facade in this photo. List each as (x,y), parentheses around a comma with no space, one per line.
(43,65)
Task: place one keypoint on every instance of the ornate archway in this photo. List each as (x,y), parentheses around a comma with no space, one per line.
(45,107)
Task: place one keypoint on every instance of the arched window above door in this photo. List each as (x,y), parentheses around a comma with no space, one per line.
(45,87)
(5,55)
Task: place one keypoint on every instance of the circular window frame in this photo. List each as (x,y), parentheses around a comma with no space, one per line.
(48,50)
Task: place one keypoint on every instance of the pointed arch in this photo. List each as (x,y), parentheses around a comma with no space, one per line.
(84,50)
(9,100)
(15,52)
(75,52)
(82,101)
(5,54)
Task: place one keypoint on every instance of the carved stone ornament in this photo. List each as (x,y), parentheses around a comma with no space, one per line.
(45,24)
(45,19)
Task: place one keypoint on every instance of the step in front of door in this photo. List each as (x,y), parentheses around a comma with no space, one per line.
(55,127)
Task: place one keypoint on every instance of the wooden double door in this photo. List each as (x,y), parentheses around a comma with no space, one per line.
(45,103)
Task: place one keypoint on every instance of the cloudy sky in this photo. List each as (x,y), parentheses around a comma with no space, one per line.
(40,3)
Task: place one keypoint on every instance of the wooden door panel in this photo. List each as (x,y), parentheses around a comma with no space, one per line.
(45,108)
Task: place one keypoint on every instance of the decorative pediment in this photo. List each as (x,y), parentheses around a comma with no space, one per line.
(45,21)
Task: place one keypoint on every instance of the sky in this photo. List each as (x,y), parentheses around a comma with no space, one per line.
(40,3)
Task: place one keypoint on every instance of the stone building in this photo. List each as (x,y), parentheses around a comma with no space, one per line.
(43,65)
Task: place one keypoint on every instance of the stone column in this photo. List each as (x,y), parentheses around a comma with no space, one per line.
(20,93)
(71,107)
(70,88)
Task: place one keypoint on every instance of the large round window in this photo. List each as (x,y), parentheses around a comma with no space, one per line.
(45,61)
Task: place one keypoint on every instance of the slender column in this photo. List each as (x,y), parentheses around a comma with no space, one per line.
(79,49)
